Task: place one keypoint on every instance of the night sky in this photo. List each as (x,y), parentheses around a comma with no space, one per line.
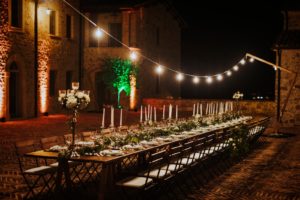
(218,36)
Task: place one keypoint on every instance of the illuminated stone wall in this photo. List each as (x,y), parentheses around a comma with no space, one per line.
(139,30)
(55,52)
(5,46)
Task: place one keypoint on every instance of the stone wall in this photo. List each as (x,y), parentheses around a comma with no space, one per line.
(266,108)
(55,52)
(291,60)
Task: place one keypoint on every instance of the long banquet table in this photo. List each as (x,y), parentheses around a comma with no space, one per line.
(109,164)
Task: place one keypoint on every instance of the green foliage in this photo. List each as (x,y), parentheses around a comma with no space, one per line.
(117,74)
(239,143)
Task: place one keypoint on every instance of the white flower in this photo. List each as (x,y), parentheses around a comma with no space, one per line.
(71,102)
(87,98)
(80,95)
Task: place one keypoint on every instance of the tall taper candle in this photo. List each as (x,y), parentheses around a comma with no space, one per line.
(112,116)
(170,112)
(176,116)
(164,109)
(155,114)
(194,110)
(197,109)
(121,117)
(141,115)
(103,118)
(201,110)
(146,119)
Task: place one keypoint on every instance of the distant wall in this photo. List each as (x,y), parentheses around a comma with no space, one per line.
(248,106)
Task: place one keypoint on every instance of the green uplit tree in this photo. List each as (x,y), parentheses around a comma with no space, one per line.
(117,74)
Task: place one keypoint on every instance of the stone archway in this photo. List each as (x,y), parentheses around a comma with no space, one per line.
(14,92)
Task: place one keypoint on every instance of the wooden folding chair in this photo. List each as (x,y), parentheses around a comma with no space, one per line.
(39,179)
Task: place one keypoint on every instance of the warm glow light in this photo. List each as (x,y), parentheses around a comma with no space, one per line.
(196,80)
(228,73)
(275,68)
(133,56)
(251,60)
(179,77)
(159,70)
(48,11)
(219,77)
(98,33)
(132,97)
(43,77)
(2,95)
(235,68)
(209,79)
(243,61)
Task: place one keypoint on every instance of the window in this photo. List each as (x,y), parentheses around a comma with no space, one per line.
(69,26)
(93,41)
(53,75)
(69,78)
(52,24)
(115,29)
(16,13)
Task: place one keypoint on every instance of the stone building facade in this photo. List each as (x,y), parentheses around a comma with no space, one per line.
(44,51)
(152,28)
(288,55)
(38,55)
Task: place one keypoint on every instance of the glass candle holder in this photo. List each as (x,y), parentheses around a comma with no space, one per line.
(75,85)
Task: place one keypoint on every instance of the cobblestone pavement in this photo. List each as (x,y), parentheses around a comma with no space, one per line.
(272,171)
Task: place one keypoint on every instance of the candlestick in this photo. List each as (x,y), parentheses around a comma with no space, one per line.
(141,115)
(103,118)
(197,109)
(155,114)
(164,108)
(121,116)
(148,116)
(206,110)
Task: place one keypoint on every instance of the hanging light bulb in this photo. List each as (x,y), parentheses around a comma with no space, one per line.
(133,56)
(228,73)
(98,33)
(219,77)
(235,68)
(251,60)
(209,79)
(159,70)
(243,61)
(275,68)
(196,80)
(48,11)
(179,77)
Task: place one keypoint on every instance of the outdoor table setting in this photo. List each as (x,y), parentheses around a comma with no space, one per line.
(109,150)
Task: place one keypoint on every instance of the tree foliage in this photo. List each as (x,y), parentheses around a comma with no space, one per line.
(117,74)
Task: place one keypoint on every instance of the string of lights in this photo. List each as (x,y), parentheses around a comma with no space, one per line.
(159,69)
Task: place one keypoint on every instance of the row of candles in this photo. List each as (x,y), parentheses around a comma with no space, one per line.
(149,112)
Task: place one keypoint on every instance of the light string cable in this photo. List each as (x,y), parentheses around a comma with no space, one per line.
(228,72)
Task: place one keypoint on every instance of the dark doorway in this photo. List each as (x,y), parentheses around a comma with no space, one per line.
(103,94)
(14,91)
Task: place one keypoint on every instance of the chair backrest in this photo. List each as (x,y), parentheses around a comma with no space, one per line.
(23,147)
(87,136)
(155,162)
(50,141)
(68,138)
(174,155)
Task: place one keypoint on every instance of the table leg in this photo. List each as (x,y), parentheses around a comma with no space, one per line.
(106,182)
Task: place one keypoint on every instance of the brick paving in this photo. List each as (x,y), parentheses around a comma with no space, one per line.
(271,171)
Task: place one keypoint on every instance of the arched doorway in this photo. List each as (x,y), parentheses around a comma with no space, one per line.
(14,91)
